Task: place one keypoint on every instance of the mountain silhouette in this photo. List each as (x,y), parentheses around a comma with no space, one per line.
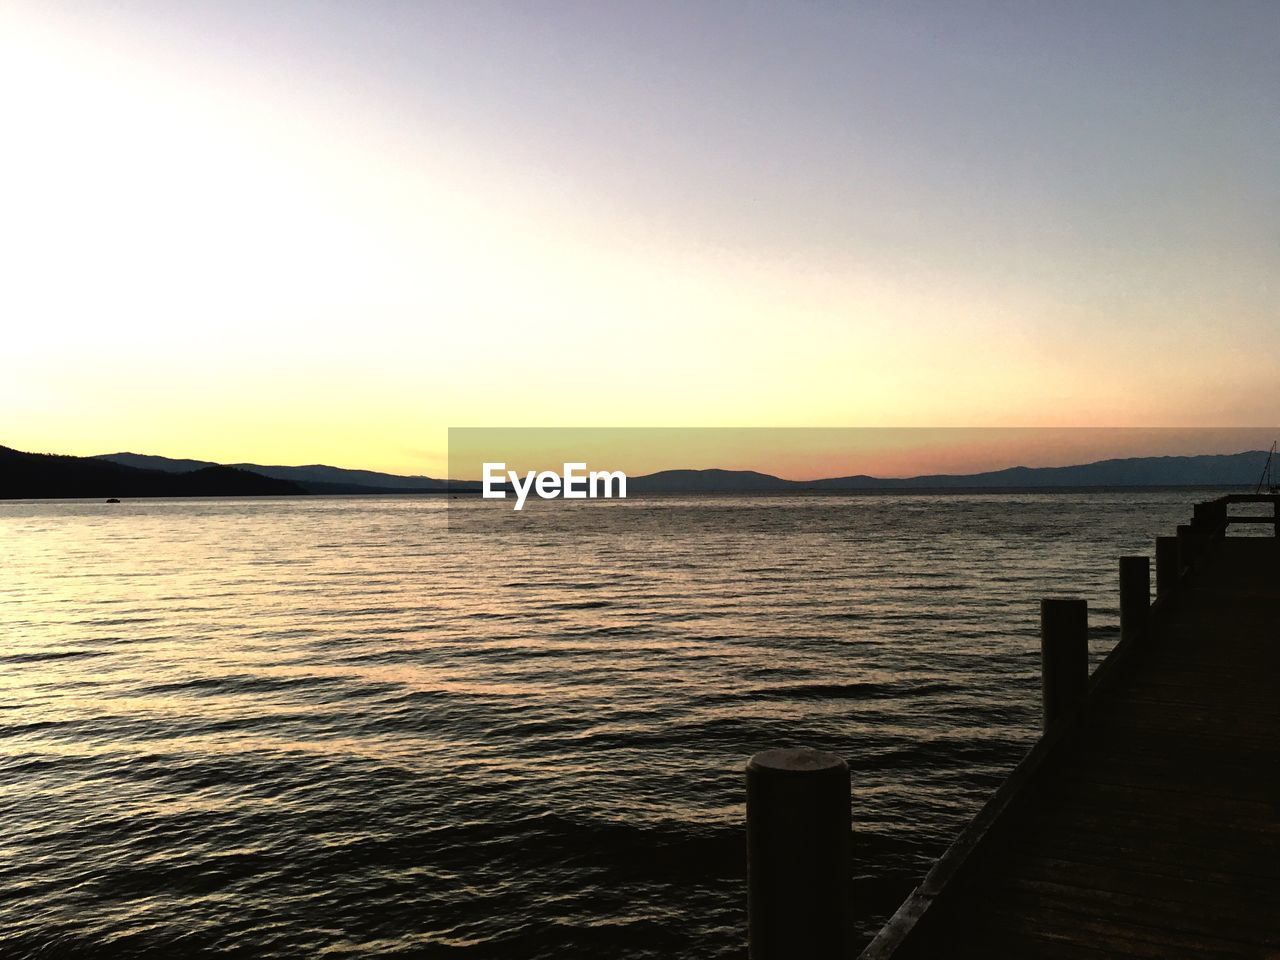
(43,475)
(139,475)
(1208,470)
(314,478)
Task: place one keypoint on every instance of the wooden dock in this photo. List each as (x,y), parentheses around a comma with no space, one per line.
(1146,821)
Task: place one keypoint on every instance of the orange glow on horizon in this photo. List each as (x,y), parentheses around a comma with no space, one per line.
(815,454)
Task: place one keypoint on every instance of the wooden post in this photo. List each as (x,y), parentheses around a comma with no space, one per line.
(1186,548)
(1064,656)
(1135,596)
(1202,520)
(1214,516)
(1167,573)
(798,870)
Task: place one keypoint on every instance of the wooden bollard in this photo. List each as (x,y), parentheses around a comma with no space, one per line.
(1204,518)
(1064,656)
(1135,596)
(1186,548)
(798,870)
(1201,528)
(1167,573)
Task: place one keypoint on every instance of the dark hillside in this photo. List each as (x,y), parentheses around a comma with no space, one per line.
(49,476)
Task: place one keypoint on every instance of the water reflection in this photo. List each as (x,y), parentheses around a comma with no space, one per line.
(281,727)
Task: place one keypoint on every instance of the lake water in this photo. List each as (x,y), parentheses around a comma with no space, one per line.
(348,728)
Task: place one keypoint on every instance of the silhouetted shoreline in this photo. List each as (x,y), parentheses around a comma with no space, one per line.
(49,476)
(52,476)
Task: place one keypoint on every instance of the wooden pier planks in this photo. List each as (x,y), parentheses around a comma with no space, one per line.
(1153,829)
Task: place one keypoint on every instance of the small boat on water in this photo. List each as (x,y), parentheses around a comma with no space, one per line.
(112,500)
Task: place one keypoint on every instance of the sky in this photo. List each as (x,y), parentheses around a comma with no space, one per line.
(327,232)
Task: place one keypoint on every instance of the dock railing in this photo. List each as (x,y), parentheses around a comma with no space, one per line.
(798,807)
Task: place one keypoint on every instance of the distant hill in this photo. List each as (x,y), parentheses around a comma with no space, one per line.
(1206,470)
(42,475)
(711,481)
(314,478)
(1209,470)
(190,477)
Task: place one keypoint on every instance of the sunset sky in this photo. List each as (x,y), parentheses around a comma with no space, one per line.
(321,232)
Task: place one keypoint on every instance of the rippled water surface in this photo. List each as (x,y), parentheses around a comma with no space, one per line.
(340,728)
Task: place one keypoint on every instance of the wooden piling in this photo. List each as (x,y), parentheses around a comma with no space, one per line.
(798,870)
(1135,596)
(1202,517)
(1064,656)
(1202,524)
(1167,572)
(1186,548)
